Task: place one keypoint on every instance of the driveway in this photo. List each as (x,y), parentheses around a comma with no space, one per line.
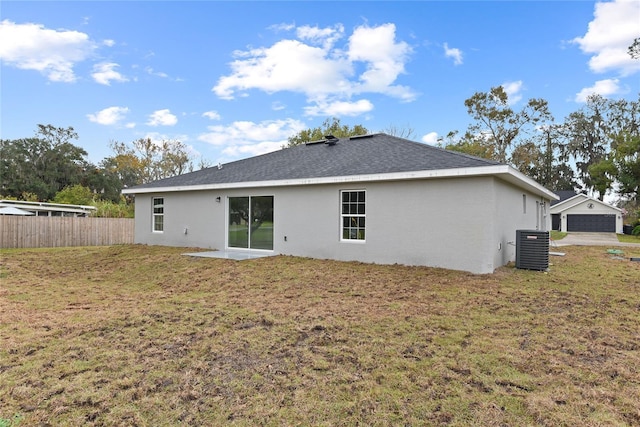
(591,239)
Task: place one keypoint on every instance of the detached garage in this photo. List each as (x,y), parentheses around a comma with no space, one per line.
(582,213)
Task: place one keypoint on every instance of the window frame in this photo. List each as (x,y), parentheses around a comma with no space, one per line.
(353,215)
(155,215)
(250,208)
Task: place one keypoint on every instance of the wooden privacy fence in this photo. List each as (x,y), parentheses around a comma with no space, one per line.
(49,232)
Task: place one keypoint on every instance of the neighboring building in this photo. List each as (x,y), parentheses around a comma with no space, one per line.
(49,209)
(374,198)
(583,213)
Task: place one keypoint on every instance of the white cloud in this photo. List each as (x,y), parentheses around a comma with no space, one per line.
(321,36)
(152,72)
(109,116)
(212,115)
(162,118)
(314,66)
(105,73)
(248,138)
(53,53)
(339,108)
(513,89)
(430,138)
(601,87)
(277,106)
(282,27)
(384,59)
(108,42)
(454,53)
(288,65)
(609,35)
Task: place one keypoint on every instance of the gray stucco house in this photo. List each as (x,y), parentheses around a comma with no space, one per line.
(373,198)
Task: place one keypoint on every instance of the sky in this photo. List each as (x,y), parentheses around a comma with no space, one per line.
(232,80)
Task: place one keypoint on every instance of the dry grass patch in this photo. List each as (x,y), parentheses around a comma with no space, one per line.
(137,335)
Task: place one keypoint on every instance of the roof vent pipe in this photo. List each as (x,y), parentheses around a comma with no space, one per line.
(330,140)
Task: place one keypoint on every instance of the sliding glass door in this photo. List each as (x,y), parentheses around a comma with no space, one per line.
(251,222)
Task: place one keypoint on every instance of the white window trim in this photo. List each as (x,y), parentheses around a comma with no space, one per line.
(154,215)
(341,228)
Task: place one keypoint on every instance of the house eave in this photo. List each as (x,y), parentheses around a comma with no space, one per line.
(503,172)
(519,179)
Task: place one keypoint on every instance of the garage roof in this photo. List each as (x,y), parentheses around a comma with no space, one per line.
(576,200)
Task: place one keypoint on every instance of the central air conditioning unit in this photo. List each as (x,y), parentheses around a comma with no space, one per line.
(532,250)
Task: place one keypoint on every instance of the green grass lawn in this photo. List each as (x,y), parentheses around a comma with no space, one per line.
(140,335)
(626,238)
(557,235)
(261,238)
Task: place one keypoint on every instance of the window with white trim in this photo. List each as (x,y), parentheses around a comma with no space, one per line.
(158,214)
(353,214)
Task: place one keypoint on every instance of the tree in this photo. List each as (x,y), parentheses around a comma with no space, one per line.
(48,163)
(621,165)
(124,164)
(468,145)
(55,136)
(74,195)
(600,141)
(626,157)
(548,168)
(497,124)
(634,49)
(174,159)
(529,159)
(406,132)
(329,127)
(103,183)
(526,139)
(42,166)
(147,161)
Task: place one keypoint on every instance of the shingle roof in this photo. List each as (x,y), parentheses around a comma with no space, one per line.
(564,195)
(371,154)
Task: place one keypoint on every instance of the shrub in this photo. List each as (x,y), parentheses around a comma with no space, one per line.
(74,195)
(108,209)
(636,231)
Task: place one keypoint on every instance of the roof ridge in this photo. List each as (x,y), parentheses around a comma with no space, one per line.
(444,150)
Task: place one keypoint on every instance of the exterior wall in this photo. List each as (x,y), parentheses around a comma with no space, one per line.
(463,224)
(197,212)
(583,209)
(409,222)
(515,209)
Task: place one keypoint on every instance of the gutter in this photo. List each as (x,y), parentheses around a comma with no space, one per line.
(504,172)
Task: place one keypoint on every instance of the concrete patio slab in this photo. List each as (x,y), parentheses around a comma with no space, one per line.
(234,255)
